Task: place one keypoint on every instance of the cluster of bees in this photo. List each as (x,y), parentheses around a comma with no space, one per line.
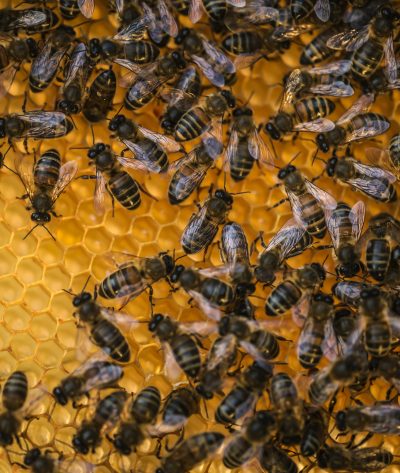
(349,329)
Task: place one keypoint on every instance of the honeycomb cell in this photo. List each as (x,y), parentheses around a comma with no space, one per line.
(29,270)
(22,346)
(168,236)
(16,216)
(61,306)
(5,234)
(87,216)
(17,318)
(24,247)
(50,252)
(37,297)
(69,233)
(40,432)
(48,354)
(77,260)
(8,262)
(119,224)
(97,240)
(5,337)
(56,279)
(11,289)
(144,229)
(43,326)
(67,333)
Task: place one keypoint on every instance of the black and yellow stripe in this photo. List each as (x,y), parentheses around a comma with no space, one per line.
(47,169)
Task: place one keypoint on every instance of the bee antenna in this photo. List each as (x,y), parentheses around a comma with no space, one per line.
(120,108)
(72,120)
(49,232)
(92,131)
(86,283)
(294,157)
(84,23)
(69,292)
(30,231)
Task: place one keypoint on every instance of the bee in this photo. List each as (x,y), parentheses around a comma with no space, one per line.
(161,22)
(319,80)
(372,181)
(344,227)
(180,404)
(308,115)
(127,11)
(100,97)
(180,346)
(107,414)
(342,372)
(315,431)
(44,463)
(76,75)
(340,458)
(30,20)
(245,145)
(203,225)
(93,374)
(190,452)
(389,368)
(14,396)
(287,407)
(370,43)
(317,332)
(344,322)
(301,9)
(13,53)
(46,63)
(70,9)
(212,62)
(244,393)
(300,284)
(206,121)
(110,175)
(37,124)
(150,79)
(135,276)
(190,170)
(44,184)
(394,151)
(389,157)
(353,125)
(317,50)
(142,411)
(181,6)
(275,459)
(379,419)
(148,147)
(289,241)
(256,431)
(216,10)
(348,292)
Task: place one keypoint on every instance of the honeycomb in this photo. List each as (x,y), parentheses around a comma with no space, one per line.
(38,332)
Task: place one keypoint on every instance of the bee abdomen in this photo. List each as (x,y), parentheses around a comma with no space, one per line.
(190,126)
(282,298)
(141,52)
(125,189)
(237,453)
(266,343)
(242,162)
(312,108)
(155,154)
(230,407)
(146,405)
(245,42)
(47,169)
(69,9)
(378,338)
(15,391)
(366,59)
(112,284)
(317,50)
(217,292)
(394,151)
(186,354)
(378,258)
(310,354)
(301,8)
(216,9)
(107,336)
(136,98)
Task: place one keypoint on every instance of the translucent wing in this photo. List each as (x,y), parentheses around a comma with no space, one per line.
(40,123)
(293,86)
(333,224)
(234,246)
(287,237)
(215,77)
(296,207)
(337,68)
(237,3)
(246,60)
(262,14)
(350,40)
(167,19)
(171,366)
(391,63)
(212,139)
(141,160)
(337,88)
(155,27)
(368,131)
(222,351)
(322,9)
(169,144)
(118,318)
(215,271)
(86,7)
(330,346)
(320,125)
(374,187)
(24,169)
(6,79)
(209,310)
(258,149)
(374,171)
(134,68)
(67,173)
(195,10)
(99,193)
(282,33)
(30,18)
(300,311)
(134,31)
(362,104)
(232,148)
(45,65)
(325,199)
(78,61)
(218,57)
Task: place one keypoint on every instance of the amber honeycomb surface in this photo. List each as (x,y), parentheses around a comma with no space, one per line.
(37,330)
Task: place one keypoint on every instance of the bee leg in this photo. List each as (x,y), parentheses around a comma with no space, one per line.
(362,442)
(256,240)
(23,197)
(332,403)
(277,204)
(55,215)
(147,193)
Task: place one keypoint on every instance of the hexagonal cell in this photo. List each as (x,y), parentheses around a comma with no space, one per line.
(169,236)
(119,224)
(29,270)
(22,346)
(50,252)
(144,229)
(16,216)
(61,306)
(77,260)
(8,262)
(33,371)
(37,297)
(97,240)
(5,234)
(43,326)
(17,318)
(67,334)
(86,214)
(40,431)
(5,337)
(49,354)
(23,247)
(56,279)
(11,289)
(70,232)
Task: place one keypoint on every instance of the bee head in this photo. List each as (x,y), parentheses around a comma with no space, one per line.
(121,446)
(284,172)
(40,218)
(189,279)
(341,421)
(125,128)
(94,48)
(180,37)
(31,456)
(264,274)
(240,111)
(176,274)
(322,142)
(224,196)
(68,107)
(202,391)
(272,130)
(331,166)
(323,458)
(370,293)
(60,396)
(320,270)
(229,97)
(169,263)
(348,270)
(32,46)
(155,322)
(178,59)
(81,299)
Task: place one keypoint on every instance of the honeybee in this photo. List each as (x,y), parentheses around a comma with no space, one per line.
(30,20)
(190,452)
(13,53)
(301,9)
(344,227)
(348,292)
(206,121)
(344,322)
(93,374)
(287,407)
(213,63)
(39,462)
(289,241)
(76,76)
(161,22)
(148,147)
(372,181)
(203,225)
(379,419)
(353,125)
(275,459)
(244,394)
(342,372)
(215,9)
(107,414)
(256,431)
(389,157)
(245,145)
(70,9)
(180,404)
(190,170)
(181,348)
(143,410)
(44,183)
(37,125)
(315,431)
(100,97)
(389,368)
(308,115)
(317,50)
(45,65)
(135,276)
(321,80)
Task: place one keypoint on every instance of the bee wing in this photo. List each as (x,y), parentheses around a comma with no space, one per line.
(131,66)
(204,329)
(118,318)
(99,193)
(282,33)
(177,97)
(234,244)
(232,148)
(391,63)
(293,85)
(33,401)
(78,61)
(237,3)
(224,350)
(350,40)
(320,125)
(28,19)
(373,172)
(322,9)
(380,157)
(46,63)
(212,139)
(171,367)
(246,60)
(296,207)
(307,333)
(338,88)
(168,21)
(6,80)
(195,10)
(167,143)
(336,68)
(142,161)
(324,198)
(333,225)
(300,311)
(86,7)
(67,173)
(365,132)
(134,31)
(374,187)
(197,226)
(262,14)
(24,169)
(210,311)
(287,237)
(215,77)
(218,57)
(258,148)
(362,104)
(216,271)
(330,346)
(40,123)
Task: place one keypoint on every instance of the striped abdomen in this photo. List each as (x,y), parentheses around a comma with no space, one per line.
(282,298)
(109,409)
(107,336)
(141,52)
(234,405)
(196,237)
(47,169)
(101,96)
(186,354)
(341,215)
(266,343)
(113,283)
(378,258)
(237,452)
(317,50)
(241,162)
(217,292)
(313,215)
(15,391)
(301,8)
(305,241)
(192,124)
(101,374)
(321,388)
(216,9)
(125,189)
(180,405)
(394,151)
(156,157)
(366,59)
(378,336)
(69,9)
(312,108)
(139,94)
(245,42)
(310,343)
(146,405)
